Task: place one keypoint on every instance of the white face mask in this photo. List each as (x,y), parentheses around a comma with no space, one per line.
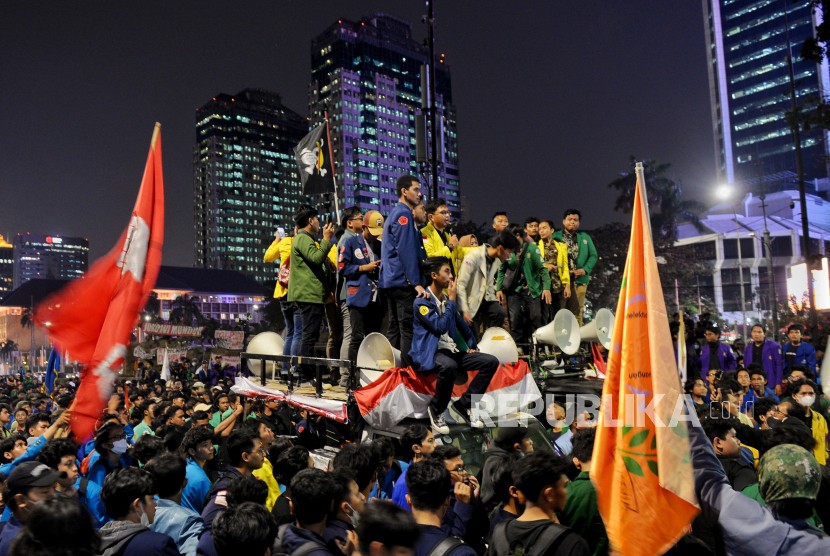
(144,518)
(355,517)
(807,401)
(119,446)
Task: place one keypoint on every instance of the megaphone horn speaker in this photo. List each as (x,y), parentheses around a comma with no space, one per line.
(264,343)
(497,342)
(562,332)
(599,330)
(374,356)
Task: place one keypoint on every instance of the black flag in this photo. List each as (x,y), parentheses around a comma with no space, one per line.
(314,160)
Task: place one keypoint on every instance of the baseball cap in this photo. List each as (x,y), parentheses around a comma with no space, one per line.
(198,385)
(202,407)
(374,221)
(32,474)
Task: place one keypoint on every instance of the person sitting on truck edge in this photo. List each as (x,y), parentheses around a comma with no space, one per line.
(434,349)
(429,485)
(417,442)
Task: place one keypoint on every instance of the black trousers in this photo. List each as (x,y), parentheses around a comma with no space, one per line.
(401,303)
(365,320)
(495,315)
(447,365)
(312,315)
(523,310)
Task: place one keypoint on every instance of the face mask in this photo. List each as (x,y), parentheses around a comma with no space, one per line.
(144,518)
(30,502)
(355,517)
(119,446)
(807,401)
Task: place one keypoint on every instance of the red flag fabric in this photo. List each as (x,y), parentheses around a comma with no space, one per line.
(93,317)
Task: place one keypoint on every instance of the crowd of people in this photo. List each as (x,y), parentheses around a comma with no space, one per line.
(435,292)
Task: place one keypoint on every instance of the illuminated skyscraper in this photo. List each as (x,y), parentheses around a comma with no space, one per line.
(6,266)
(245,181)
(53,257)
(749,85)
(366,74)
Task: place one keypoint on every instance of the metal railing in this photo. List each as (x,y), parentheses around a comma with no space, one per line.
(291,360)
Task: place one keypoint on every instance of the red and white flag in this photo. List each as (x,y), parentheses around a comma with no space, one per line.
(93,317)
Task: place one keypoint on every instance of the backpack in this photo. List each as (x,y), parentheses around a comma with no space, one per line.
(284,273)
(513,276)
(550,538)
(310,546)
(445,546)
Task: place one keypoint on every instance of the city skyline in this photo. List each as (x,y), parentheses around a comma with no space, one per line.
(545,99)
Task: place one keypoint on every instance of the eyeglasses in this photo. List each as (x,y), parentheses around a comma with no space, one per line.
(460,470)
(357,218)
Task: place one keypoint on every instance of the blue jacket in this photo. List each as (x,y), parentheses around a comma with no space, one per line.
(336,530)
(389,481)
(805,355)
(92,501)
(181,524)
(725,356)
(770,361)
(206,546)
(296,537)
(751,397)
(29,455)
(212,508)
(403,251)
(120,538)
(198,485)
(352,255)
(400,491)
(10,531)
(432,535)
(100,467)
(429,326)
(745,526)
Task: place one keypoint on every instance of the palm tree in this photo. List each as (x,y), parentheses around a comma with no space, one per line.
(7,348)
(185,309)
(665,198)
(27,318)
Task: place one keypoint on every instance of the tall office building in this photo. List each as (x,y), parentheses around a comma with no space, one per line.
(53,257)
(245,180)
(6,266)
(749,87)
(366,74)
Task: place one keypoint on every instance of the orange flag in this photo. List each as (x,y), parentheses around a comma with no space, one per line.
(641,464)
(93,317)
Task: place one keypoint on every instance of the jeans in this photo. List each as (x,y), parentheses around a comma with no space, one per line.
(522,309)
(495,315)
(365,320)
(401,303)
(347,331)
(293,327)
(312,317)
(447,365)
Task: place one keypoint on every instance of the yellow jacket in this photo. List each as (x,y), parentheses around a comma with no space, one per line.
(279,250)
(266,474)
(561,260)
(433,243)
(820,434)
(458,256)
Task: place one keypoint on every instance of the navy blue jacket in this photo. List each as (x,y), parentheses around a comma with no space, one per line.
(805,355)
(432,535)
(403,250)
(212,508)
(353,254)
(336,529)
(429,326)
(296,537)
(206,546)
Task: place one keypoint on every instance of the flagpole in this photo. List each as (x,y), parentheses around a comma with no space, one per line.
(333,169)
(641,184)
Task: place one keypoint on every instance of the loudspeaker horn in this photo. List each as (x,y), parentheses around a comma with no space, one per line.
(562,332)
(599,330)
(374,356)
(497,342)
(265,343)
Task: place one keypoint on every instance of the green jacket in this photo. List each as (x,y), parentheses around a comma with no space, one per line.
(581,514)
(587,257)
(306,282)
(536,275)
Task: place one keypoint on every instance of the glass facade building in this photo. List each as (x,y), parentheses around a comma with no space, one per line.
(52,257)
(6,266)
(366,74)
(749,88)
(245,180)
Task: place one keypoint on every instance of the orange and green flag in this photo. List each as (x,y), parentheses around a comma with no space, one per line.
(641,464)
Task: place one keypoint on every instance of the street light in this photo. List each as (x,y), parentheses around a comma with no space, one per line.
(725,193)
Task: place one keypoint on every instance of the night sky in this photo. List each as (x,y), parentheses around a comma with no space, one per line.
(552,98)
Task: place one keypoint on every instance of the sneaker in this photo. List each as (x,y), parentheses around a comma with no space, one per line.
(458,412)
(439,422)
(467,415)
(476,422)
